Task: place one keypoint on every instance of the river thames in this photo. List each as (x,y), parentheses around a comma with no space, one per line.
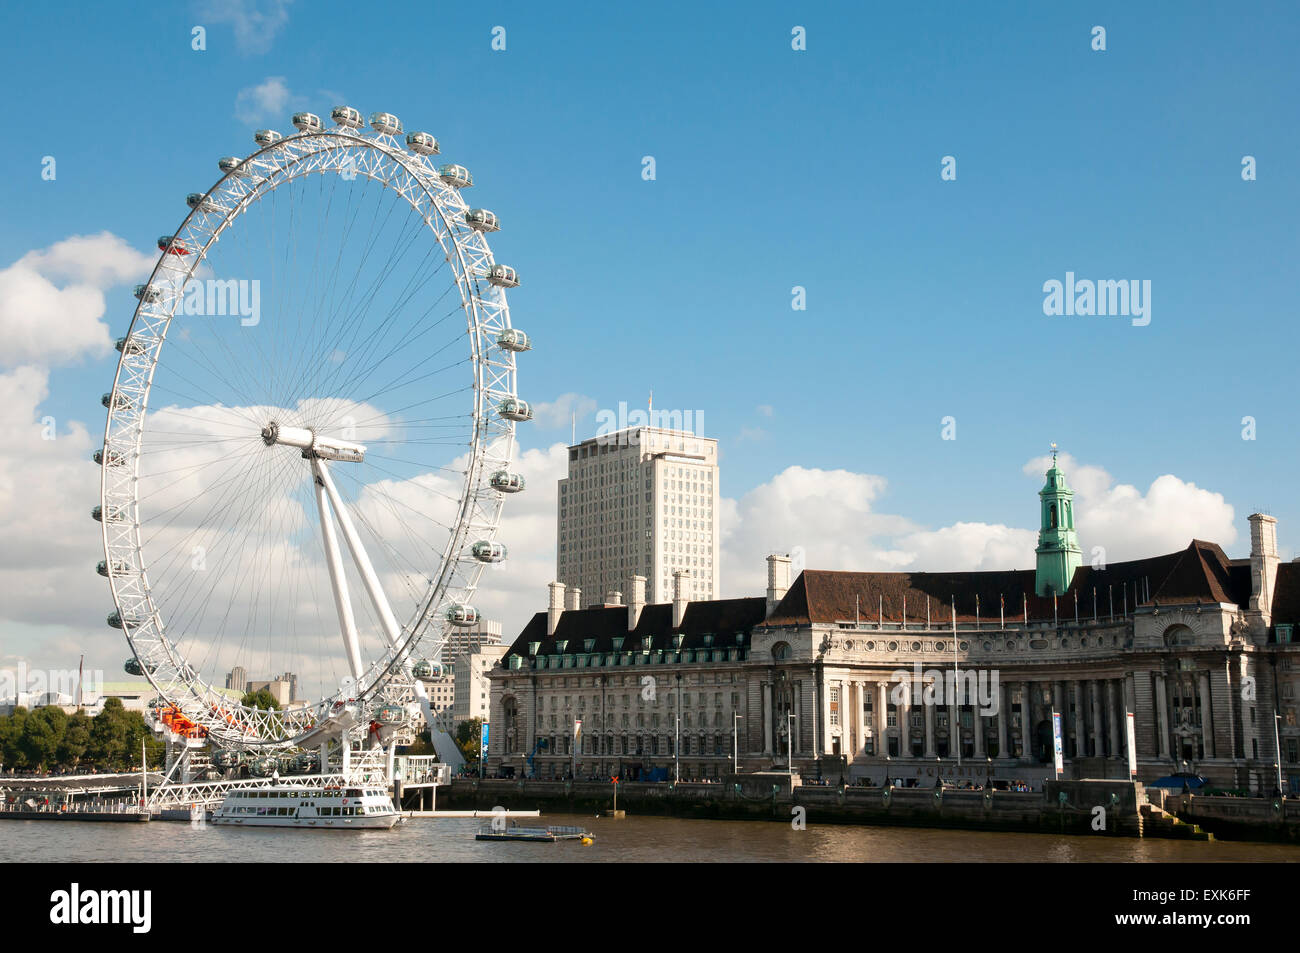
(635,839)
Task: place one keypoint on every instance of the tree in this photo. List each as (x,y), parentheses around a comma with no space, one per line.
(76,739)
(262,699)
(468,735)
(11,737)
(42,735)
(108,735)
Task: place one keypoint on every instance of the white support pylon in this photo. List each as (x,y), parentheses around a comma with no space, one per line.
(338,581)
(369,578)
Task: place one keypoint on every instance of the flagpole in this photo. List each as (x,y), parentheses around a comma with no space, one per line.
(956,678)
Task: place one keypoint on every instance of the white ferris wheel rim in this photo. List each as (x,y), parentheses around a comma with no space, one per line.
(349,153)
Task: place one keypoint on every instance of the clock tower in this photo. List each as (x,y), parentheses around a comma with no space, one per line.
(1058,544)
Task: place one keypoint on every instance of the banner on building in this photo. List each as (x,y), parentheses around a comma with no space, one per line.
(483,742)
(1058,748)
(1132,746)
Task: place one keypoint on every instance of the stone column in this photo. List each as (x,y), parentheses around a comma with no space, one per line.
(1080,734)
(929,731)
(1162,717)
(1004,750)
(1207,733)
(882,717)
(905,718)
(1098,747)
(1027,721)
(1114,717)
(768,716)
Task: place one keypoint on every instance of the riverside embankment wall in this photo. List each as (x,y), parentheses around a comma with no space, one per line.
(1063,807)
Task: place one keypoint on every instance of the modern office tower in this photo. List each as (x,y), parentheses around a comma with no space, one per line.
(640,501)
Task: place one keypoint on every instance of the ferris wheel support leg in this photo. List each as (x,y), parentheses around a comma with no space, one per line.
(338,581)
(359,556)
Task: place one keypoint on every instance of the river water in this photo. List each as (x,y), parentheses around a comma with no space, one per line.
(644,839)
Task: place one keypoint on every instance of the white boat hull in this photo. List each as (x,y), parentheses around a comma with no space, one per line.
(369,822)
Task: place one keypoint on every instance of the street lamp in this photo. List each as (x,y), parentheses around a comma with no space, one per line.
(735,743)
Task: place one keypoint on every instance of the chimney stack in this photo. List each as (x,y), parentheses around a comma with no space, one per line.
(613,598)
(680,579)
(1263,564)
(555,608)
(573,598)
(778,580)
(636,602)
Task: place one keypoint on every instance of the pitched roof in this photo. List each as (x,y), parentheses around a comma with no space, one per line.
(1200,573)
(1286,594)
(721,618)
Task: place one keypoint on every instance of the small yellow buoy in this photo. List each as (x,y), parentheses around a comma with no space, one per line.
(586,840)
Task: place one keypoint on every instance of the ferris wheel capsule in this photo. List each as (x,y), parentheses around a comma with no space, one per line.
(506,481)
(503,276)
(234,165)
(307,122)
(488,551)
(115,401)
(512,408)
(110,459)
(422,143)
(347,117)
(426,669)
(129,345)
(386,124)
(201,203)
(513,339)
(117,621)
(482,220)
(266,137)
(119,568)
(171,245)
(392,715)
(114,514)
(457,176)
(460,614)
(147,293)
(133,667)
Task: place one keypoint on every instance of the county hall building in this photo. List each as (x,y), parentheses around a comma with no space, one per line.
(917,676)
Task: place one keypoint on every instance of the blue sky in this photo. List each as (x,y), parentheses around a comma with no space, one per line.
(775,168)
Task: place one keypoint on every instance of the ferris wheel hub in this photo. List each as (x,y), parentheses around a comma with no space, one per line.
(312,444)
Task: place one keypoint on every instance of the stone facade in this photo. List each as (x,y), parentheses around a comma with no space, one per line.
(1197,648)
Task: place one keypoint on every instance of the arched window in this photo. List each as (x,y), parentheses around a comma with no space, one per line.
(1052,515)
(781,651)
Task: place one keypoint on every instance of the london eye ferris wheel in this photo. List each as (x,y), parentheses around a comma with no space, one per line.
(310,433)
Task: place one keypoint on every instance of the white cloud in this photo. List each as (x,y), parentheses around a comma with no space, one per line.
(268,100)
(52,300)
(1130,524)
(255,24)
(559,412)
(832,516)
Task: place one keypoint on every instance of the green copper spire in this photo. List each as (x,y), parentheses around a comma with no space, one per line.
(1058,544)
